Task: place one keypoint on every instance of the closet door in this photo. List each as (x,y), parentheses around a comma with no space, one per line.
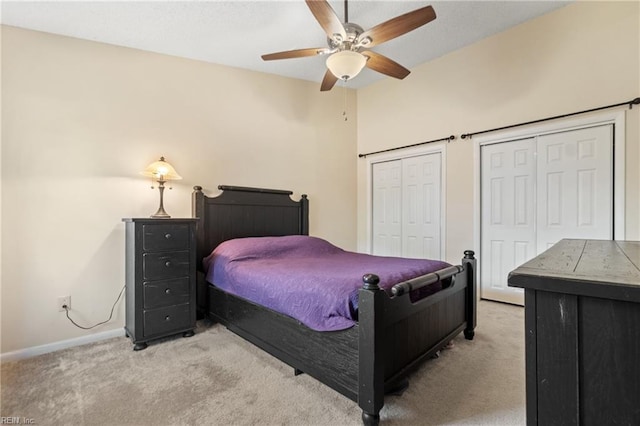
(575,186)
(508,236)
(421,193)
(387,208)
(537,191)
(407,207)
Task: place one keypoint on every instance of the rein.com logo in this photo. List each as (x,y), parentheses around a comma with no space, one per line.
(16,421)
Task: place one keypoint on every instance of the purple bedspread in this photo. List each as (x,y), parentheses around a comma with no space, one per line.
(306,278)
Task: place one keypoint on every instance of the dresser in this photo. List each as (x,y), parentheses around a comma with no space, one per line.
(582,333)
(160,271)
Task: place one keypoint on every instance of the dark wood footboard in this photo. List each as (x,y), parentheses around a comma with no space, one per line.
(395,334)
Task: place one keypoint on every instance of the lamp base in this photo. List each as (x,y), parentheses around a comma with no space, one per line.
(161,214)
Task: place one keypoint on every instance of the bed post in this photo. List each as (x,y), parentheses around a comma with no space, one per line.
(197,211)
(371,345)
(469,262)
(304,215)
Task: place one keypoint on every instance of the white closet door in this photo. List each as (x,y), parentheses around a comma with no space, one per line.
(575,185)
(508,236)
(421,193)
(537,191)
(407,207)
(387,204)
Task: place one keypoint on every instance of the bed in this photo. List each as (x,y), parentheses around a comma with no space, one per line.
(393,334)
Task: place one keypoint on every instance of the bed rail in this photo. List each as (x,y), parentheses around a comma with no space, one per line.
(425,280)
(251,189)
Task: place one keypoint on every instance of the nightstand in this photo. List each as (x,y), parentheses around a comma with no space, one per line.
(160,273)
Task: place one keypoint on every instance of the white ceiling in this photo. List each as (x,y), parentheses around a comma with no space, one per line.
(238,32)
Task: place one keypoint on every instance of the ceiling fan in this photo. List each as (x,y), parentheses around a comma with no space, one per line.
(348,43)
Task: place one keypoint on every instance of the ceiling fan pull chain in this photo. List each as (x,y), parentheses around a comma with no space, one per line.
(344,112)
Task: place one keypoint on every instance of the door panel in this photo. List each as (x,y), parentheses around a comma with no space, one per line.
(507,217)
(387,202)
(575,185)
(421,182)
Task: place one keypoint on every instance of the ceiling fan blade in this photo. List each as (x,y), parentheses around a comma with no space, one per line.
(298,53)
(397,26)
(328,81)
(327,18)
(384,65)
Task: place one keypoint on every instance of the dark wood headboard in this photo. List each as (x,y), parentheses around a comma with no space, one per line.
(246,212)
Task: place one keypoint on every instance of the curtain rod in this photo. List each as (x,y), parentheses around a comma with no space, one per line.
(448,139)
(631,103)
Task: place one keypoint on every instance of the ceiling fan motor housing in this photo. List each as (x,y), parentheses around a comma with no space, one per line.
(353,31)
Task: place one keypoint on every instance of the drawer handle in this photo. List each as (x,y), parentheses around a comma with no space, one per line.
(167,263)
(167,291)
(167,236)
(167,318)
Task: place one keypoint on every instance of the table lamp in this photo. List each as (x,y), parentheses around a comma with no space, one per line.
(161,171)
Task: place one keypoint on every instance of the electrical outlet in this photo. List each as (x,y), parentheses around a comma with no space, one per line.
(64,301)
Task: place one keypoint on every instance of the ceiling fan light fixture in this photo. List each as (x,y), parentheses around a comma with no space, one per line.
(346,64)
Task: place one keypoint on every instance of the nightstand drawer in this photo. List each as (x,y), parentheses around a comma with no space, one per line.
(165,237)
(156,266)
(166,293)
(162,320)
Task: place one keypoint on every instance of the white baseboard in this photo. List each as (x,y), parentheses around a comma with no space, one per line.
(63,344)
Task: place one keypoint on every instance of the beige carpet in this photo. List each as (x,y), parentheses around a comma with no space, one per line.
(216,378)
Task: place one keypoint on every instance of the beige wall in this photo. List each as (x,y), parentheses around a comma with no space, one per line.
(81,119)
(582,56)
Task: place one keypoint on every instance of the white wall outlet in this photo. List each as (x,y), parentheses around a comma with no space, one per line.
(64,301)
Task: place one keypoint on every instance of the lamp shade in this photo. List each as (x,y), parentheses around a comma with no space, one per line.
(161,170)
(346,64)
